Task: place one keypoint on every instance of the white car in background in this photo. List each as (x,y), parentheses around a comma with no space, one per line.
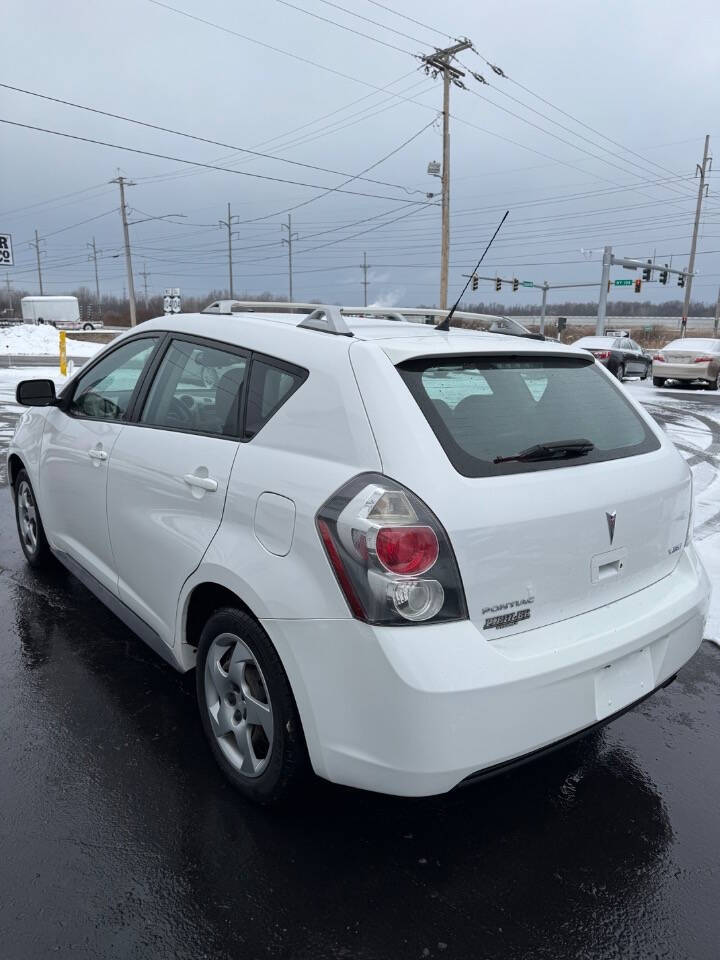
(686,360)
(401,557)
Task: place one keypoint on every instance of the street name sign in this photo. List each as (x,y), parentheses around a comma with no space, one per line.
(623,283)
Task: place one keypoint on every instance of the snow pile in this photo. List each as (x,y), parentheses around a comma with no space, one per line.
(29,340)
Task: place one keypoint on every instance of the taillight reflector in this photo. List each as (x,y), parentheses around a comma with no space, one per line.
(601,354)
(407,551)
(704,359)
(340,571)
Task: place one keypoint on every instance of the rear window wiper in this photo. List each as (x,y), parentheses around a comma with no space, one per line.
(555,450)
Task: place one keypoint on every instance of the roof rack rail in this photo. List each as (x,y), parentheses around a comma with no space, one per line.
(327,320)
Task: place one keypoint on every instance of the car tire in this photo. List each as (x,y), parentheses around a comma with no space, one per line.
(644,376)
(88,326)
(658,381)
(266,761)
(714,384)
(29,524)
(620,372)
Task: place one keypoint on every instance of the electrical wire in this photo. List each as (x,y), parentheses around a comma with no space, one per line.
(197,163)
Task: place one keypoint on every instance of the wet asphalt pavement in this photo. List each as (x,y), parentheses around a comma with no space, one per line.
(120,839)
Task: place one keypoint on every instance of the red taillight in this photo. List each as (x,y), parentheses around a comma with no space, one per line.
(659,357)
(407,551)
(704,359)
(601,354)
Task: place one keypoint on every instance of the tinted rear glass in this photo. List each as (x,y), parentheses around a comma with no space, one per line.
(481,408)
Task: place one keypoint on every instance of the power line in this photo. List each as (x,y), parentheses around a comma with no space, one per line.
(377,23)
(190,136)
(334,23)
(404,16)
(197,163)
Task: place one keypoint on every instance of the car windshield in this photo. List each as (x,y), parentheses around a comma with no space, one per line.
(694,343)
(487,410)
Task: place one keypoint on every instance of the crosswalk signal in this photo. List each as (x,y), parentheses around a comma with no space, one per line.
(646,272)
(474,282)
(498,284)
(638,285)
(681,279)
(663,275)
(516,284)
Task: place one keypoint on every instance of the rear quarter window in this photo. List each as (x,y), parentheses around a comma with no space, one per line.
(485,408)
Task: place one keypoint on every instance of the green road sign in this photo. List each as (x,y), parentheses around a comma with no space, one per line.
(623,283)
(527,283)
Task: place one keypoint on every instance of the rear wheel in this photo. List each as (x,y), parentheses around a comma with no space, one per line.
(714,384)
(658,381)
(29,525)
(247,708)
(88,326)
(644,375)
(620,372)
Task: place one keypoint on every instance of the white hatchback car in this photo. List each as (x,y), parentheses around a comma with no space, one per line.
(399,556)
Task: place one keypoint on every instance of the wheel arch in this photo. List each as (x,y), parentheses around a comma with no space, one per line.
(14,466)
(202,600)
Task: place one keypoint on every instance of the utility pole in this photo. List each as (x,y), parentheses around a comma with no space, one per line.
(440,61)
(228,223)
(691,264)
(364,267)
(10,303)
(123,182)
(289,241)
(36,243)
(93,256)
(715,325)
(144,274)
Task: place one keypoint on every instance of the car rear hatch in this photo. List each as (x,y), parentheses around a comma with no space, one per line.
(537,540)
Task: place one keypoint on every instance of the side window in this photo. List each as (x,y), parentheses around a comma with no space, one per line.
(627,345)
(270,386)
(197,388)
(105,391)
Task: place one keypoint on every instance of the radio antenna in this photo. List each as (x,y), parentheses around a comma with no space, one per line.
(444,325)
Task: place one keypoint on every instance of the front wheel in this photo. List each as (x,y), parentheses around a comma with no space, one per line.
(247,708)
(29,525)
(658,381)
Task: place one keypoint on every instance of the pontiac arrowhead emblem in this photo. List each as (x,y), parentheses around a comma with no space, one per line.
(611,524)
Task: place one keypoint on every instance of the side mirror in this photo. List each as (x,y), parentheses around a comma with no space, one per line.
(35,393)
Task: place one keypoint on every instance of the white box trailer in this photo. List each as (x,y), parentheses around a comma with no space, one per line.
(60,312)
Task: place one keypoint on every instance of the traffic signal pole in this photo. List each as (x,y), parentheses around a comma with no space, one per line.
(691,263)
(604,284)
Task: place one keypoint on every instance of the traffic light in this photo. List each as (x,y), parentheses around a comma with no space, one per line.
(681,279)
(474,282)
(516,284)
(647,272)
(663,275)
(498,284)
(638,285)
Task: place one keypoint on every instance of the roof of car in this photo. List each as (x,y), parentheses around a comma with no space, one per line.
(281,335)
(596,341)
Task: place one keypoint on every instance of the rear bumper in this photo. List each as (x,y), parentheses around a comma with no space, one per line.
(415,711)
(684,371)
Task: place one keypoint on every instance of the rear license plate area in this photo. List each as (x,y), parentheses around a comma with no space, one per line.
(623,682)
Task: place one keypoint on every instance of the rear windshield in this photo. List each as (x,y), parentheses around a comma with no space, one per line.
(586,342)
(482,408)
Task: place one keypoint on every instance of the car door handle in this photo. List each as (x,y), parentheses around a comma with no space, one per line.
(96,454)
(202,483)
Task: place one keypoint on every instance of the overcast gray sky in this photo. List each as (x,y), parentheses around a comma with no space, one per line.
(643,74)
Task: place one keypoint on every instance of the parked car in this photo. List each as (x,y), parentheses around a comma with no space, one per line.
(622,356)
(399,557)
(692,358)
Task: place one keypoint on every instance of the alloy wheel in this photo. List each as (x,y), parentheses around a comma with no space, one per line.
(27,516)
(238,704)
